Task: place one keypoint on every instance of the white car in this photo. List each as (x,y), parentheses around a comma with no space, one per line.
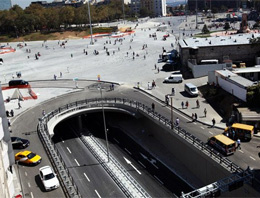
(49,179)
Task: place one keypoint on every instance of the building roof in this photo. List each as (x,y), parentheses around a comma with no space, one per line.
(237,39)
(234,78)
(247,69)
(249,114)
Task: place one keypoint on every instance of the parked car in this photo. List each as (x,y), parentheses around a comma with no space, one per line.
(19,143)
(28,157)
(49,178)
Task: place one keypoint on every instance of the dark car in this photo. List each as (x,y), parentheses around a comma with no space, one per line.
(19,143)
(17,82)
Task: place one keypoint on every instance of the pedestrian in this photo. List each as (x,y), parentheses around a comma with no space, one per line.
(71,54)
(112,86)
(205,112)
(187,104)
(60,74)
(195,116)
(153,106)
(155,66)
(86,52)
(177,122)
(213,122)
(182,104)
(192,116)
(12,113)
(43,113)
(19,104)
(158,69)
(148,86)
(55,77)
(198,103)
(7,113)
(238,144)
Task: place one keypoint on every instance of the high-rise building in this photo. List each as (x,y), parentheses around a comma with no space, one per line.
(5,4)
(6,154)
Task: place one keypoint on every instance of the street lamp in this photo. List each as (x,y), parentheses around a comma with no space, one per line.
(91,42)
(196,14)
(104,121)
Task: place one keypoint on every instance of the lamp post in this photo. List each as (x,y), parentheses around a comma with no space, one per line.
(196,14)
(89,16)
(104,121)
(171,97)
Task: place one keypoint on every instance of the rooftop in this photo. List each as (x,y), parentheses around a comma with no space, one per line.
(238,39)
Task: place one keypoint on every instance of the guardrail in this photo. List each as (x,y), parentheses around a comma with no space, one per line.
(137,106)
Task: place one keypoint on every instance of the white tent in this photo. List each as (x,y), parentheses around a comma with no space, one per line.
(17,94)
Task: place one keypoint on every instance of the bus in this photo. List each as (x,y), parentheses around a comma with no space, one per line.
(242,131)
(209,62)
(223,143)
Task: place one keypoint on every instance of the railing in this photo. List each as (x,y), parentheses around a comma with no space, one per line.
(136,106)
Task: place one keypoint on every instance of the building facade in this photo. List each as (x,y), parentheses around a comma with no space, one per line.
(6,154)
(156,7)
(5,4)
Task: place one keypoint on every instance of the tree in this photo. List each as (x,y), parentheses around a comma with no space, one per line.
(226,26)
(205,29)
(66,15)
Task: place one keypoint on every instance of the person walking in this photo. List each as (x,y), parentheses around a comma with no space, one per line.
(19,104)
(158,69)
(55,77)
(182,104)
(155,67)
(198,103)
(187,104)
(196,116)
(177,122)
(12,113)
(213,122)
(238,144)
(43,113)
(205,112)
(153,106)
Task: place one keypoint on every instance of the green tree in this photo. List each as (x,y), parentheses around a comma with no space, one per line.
(226,26)
(66,15)
(205,29)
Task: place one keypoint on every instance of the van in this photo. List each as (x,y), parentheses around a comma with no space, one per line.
(174,78)
(17,82)
(222,143)
(191,89)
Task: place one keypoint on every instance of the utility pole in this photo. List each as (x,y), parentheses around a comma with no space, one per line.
(196,14)
(89,16)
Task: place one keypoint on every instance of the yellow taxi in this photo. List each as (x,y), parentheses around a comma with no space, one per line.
(28,157)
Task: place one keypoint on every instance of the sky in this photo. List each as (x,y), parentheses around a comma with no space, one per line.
(24,3)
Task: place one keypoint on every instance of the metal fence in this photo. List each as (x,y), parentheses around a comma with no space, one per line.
(119,103)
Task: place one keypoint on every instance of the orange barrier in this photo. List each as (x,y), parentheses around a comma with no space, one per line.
(5,50)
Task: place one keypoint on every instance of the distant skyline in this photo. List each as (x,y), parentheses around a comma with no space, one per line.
(25,3)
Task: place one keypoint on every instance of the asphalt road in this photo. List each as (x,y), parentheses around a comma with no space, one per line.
(25,126)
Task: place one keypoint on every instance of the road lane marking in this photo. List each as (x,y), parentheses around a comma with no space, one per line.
(68,150)
(128,151)
(241,151)
(195,123)
(86,177)
(210,132)
(202,127)
(142,164)
(32,195)
(158,179)
(252,158)
(25,173)
(97,193)
(29,185)
(116,140)
(130,163)
(77,162)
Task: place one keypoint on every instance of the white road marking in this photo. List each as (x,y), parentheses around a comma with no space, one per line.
(210,132)
(241,151)
(142,164)
(25,173)
(77,162)
(158,179)
(62,141)
(252,158)
(195,123)
(128,151)
(32,195)
(130,163)
(97,193)
(202,127)
(116,140)
(68,150)
(29,185)
(86,177)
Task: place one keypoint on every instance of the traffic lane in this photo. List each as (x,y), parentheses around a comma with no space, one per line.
(29,176)
(86,170)
(145,167)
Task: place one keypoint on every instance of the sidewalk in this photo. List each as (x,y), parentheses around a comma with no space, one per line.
(192,109)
